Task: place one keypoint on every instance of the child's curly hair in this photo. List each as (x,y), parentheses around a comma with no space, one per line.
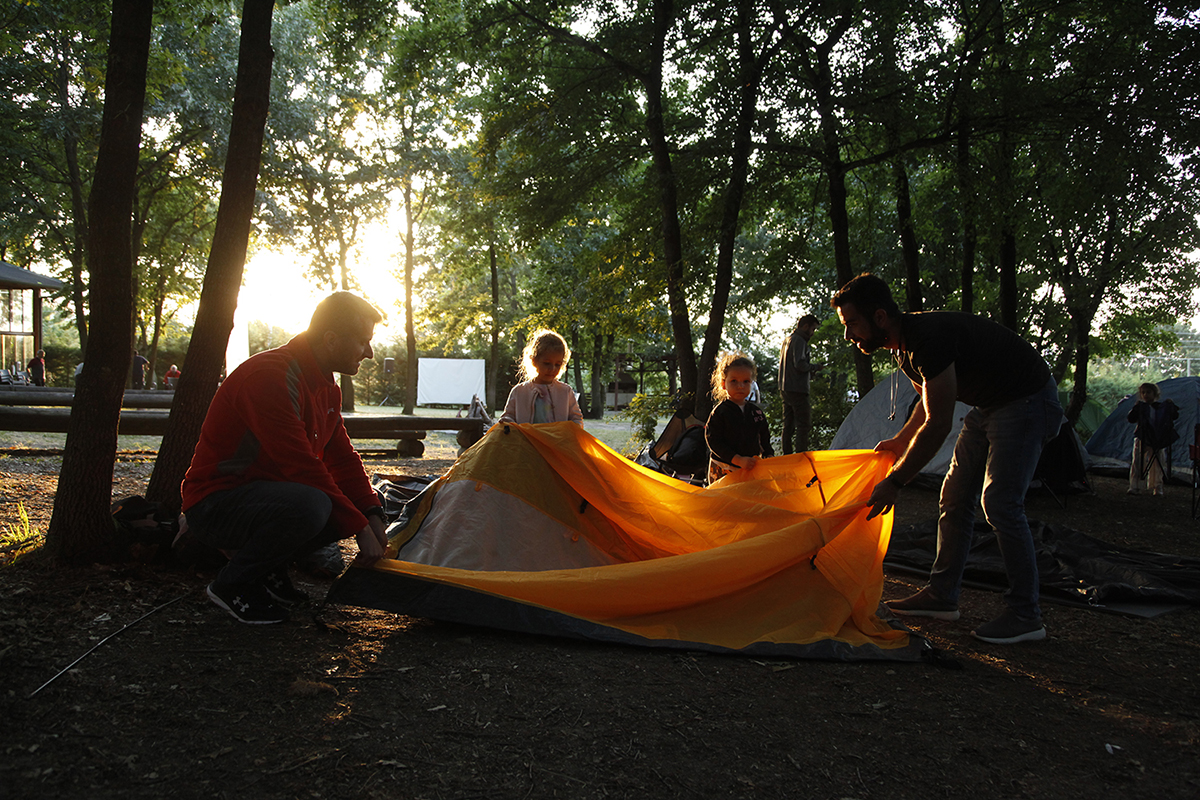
(726,362)
(542,341)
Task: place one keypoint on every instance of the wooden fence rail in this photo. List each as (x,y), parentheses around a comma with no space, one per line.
(145,419)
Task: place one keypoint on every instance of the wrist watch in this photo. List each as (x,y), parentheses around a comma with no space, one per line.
(375,511)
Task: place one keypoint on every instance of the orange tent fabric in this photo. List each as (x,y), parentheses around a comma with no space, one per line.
(561,534)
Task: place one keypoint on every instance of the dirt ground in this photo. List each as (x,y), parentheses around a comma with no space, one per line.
(357,703)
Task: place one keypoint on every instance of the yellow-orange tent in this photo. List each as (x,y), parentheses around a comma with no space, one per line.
(543,528)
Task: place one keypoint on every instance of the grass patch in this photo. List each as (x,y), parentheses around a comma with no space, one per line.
(18,540)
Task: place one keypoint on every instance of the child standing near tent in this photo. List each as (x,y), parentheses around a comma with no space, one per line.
(1152,439)
(737,430)
(543,397)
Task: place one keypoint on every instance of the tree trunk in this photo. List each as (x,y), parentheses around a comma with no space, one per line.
(494,344)
(597,377)
(81,525)
(1083,352)
(1005,179)
(226,260)
(750,79)
(1008,274)
(966,190)
(410,330)
(839,217)
(577,368)
(681,325)
(908,240)
(79,217)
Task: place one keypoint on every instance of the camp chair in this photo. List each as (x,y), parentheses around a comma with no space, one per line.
(680,450)
(1194,452)
(1158,436)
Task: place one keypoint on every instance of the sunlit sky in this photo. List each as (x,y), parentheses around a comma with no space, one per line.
(277,291)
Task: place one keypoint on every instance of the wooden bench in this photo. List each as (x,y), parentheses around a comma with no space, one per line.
(36,396)
(147,420)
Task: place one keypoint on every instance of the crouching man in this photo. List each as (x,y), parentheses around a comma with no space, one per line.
(274,475)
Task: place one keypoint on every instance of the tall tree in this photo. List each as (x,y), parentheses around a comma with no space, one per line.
(81,526)
(424,101)
(325,165)
(227,257)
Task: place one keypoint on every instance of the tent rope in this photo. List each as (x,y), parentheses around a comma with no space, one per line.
(96,646)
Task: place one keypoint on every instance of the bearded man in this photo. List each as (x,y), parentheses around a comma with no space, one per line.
(953,356)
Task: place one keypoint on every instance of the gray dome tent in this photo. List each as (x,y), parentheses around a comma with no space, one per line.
(1062,466)
(868,422)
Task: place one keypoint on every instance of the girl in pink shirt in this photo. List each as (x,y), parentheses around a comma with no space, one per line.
(543,397)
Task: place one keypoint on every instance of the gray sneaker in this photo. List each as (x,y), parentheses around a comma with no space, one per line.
(925,604)
(1008,628)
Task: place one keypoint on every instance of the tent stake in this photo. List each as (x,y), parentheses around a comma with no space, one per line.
(65,669)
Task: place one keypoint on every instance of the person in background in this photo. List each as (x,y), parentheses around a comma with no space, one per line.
(139,370)
(171,377)
(737,432)
(37,368)
(952,356)
(274,476)
(795,373)
(1152,439)
(542,397)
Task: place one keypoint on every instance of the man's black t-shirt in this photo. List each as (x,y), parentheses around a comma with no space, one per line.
(993,365)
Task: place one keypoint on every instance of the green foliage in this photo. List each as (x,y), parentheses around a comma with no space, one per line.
(644,411)
(266,337)
(1128,332)
(1110,381)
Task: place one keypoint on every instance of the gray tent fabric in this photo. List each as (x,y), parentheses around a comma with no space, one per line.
(882,413)
(1074,568)
(1114,438)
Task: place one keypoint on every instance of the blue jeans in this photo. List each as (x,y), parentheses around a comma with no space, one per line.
(267,523)
(997,451)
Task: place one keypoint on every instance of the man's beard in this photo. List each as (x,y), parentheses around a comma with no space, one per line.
(876,340)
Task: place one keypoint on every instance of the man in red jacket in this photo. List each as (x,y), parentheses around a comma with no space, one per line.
(274,474)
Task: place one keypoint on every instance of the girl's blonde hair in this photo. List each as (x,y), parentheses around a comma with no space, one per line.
(726,362)
(1148,392)
(542,341)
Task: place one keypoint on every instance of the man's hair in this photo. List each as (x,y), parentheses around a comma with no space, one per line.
(807,319)
(343,313)
(867,293)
